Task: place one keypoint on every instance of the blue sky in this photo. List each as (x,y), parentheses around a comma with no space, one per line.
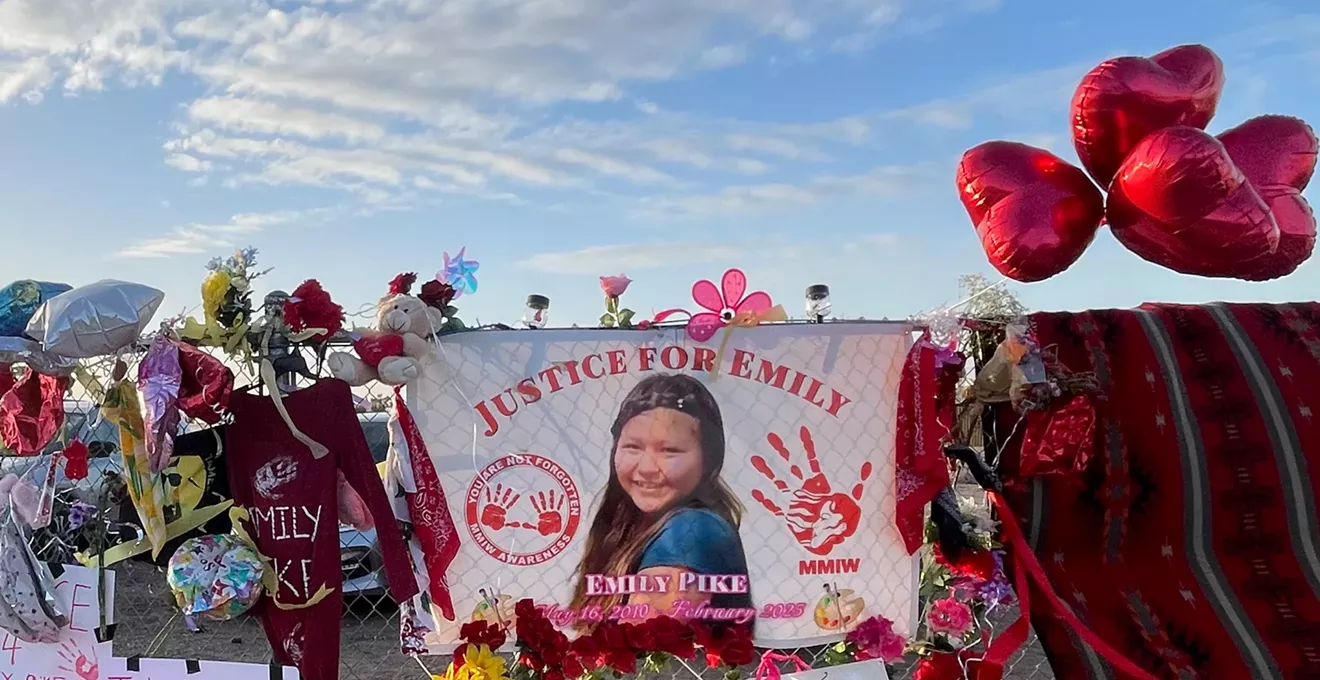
(806,141)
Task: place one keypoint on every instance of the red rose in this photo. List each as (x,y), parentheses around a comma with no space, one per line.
(437,294)
(526,609)
(552,674)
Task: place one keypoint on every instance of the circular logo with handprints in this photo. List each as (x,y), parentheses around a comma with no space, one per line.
(523,509)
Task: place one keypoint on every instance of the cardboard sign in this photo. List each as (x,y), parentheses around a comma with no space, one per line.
(79,656)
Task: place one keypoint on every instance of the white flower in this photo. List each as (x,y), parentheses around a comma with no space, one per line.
(976,515)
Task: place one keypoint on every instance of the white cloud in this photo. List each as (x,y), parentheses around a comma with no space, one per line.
(192,239)
(883,181)
(255,116)
(783,148)
(612,167)
(187,163)
(723,56)
(633,257)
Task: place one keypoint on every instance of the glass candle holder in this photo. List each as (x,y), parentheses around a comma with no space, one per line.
(818,302)
(537,311)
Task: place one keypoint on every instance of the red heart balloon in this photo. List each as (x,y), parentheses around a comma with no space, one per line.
(1179,201)
(1035,212)
(1277,154)
(1122,100)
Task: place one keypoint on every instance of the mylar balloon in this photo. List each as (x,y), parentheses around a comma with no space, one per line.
(215,578)
(95,320)
(1035,213)
(1277,154)
(1180,202)
(1122,100)
(20,300)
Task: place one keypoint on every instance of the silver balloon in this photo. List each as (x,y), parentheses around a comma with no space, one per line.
(24,351)
(95,320)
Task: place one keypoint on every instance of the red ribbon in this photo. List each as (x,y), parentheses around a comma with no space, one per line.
(769,667)
(1026,565)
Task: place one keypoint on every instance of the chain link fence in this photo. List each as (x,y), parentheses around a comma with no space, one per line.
(149,624)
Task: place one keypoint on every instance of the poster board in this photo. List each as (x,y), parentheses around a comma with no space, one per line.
(519,426)
(78,655)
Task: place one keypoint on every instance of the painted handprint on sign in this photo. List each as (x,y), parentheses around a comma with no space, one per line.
(81,664)
(549,508)
(495,512)
(819,517)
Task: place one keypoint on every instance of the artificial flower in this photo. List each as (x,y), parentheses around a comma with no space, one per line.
(80,514)
(614,286)
(437,294)
(976,516)
(875,638)
(402,284)
(724,304)
(311,307)
(996,592)
(478,663)
(215,287)
(950,617)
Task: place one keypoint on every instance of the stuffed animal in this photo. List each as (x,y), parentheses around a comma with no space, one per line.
(393,350)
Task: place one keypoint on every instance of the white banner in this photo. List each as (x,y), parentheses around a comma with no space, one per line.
(624,474)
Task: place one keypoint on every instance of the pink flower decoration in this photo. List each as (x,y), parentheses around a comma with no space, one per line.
(614,286)
(724,304)
(875,639)
(950,617)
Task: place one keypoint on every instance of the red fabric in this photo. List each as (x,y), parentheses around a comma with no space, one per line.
(32,412)
(292,498)
(1059,440)
(429,512)
(1188,544)
(920,471)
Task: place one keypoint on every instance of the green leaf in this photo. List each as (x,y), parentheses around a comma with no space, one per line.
(625,318)
(612,305)
(450,311)
(607,320)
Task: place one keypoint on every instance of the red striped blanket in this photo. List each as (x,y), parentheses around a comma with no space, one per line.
(1191,543)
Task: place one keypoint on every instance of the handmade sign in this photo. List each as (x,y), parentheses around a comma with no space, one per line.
(741,476)
(79,656)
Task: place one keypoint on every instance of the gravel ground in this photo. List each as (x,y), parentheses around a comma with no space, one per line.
(150,626)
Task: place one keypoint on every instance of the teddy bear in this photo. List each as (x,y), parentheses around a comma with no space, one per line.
(393,351)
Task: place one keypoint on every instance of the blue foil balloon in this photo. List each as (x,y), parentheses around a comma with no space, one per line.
(20,300)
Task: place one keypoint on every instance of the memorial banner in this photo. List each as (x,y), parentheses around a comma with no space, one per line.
(625,474)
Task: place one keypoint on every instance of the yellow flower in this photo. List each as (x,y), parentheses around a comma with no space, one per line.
(479,663)
(214,289)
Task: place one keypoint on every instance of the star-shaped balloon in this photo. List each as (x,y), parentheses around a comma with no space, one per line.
(461,273)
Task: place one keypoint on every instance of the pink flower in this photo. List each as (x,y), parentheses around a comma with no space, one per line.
(724,304)
(614,286)
(875,639)
(949,616)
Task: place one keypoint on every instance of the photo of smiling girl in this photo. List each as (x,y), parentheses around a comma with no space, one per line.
(666,510)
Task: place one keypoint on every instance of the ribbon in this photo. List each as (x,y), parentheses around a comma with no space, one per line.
(272,386)
(188,523)
(1025,565)
(769,667)
(269,579)
(744,320)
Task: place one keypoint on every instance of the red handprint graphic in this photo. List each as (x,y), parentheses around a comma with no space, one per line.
(818,517)
(549,506)
(495,513)
(74,660)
